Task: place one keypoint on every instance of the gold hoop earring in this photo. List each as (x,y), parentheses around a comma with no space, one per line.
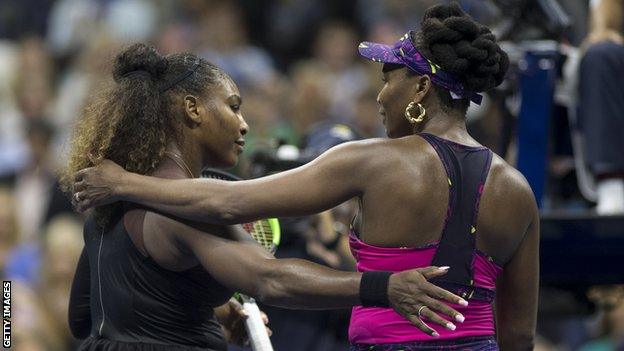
(421,115)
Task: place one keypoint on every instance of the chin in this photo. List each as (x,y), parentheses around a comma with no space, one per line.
(230,161)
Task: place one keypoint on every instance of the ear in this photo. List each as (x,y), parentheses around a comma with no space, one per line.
(421,87)
(192,110)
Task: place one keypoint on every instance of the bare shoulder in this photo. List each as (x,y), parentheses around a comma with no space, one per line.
(506,210)
(356,157)
(370,150)
(507,181)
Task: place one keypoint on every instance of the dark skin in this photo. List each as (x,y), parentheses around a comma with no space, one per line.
(213,128)
(386,175)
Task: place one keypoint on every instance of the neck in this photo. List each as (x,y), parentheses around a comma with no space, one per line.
(448,125)
(190,156)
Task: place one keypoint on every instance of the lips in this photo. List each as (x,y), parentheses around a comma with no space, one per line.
(240,142)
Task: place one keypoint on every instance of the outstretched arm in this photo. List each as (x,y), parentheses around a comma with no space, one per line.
(331,179)
(246,267)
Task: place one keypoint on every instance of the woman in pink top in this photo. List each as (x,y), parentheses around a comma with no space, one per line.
(429,195)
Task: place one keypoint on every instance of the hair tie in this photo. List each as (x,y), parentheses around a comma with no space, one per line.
(137,73)
(182,76)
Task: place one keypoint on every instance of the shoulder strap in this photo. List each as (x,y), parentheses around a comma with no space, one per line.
(467,170)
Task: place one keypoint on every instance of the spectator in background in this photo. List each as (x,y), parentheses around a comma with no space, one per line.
(25,92)
(8,226)
(309,102)
(176,37)
(61,249)
(406,14)
(601,103)
(288,26)
(23,17)
(226,44)
(35,186)
(335,69)
(76,84)
(13,148)
(33,88)
(610,306)
(71,25)
(263,109)
(34,183)
(34,328)
(131,20)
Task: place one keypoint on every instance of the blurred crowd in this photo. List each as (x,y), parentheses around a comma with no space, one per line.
(302,84)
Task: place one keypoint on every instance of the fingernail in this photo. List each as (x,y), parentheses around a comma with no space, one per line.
(435,334)
(444,268)
(460,318)
(462,302)
(450,326)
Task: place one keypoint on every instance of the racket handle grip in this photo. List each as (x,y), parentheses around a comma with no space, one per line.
(256,330)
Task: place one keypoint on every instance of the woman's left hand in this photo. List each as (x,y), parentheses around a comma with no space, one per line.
(96,186)
(232,318)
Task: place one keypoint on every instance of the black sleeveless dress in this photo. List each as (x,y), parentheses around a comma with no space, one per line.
(122,300)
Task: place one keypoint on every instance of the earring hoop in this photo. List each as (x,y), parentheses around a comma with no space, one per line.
(421,115)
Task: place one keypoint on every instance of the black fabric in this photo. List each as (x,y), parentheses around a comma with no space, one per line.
(469,292)
(100,344)
(80,299)
(374,288)
(467,169)
(134,300)
(601,107)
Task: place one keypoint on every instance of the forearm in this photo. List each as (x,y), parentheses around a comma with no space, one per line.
(193,199)
(296,283)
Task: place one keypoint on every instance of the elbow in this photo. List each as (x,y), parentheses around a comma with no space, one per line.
(226,217)
(270,289)
(221,210)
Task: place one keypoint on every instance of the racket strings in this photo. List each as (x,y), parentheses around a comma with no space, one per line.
(262,232)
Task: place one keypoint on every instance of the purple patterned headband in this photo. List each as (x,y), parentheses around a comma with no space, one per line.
(404,53)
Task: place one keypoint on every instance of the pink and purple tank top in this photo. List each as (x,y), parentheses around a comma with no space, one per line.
(472,274)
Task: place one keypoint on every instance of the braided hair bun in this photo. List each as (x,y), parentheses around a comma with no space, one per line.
(463,47)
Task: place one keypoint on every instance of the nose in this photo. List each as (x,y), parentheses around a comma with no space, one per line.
(379,98)
(244,127)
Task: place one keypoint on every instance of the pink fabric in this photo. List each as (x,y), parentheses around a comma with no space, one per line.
(385,326)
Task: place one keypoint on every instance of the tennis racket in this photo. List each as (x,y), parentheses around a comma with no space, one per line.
(267,233)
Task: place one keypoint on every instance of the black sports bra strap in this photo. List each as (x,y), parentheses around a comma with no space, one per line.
(467,169)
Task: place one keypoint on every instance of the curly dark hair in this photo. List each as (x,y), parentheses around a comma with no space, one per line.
(450,38)
(132,120)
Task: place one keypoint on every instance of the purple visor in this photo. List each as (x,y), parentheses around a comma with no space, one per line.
(404,53)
